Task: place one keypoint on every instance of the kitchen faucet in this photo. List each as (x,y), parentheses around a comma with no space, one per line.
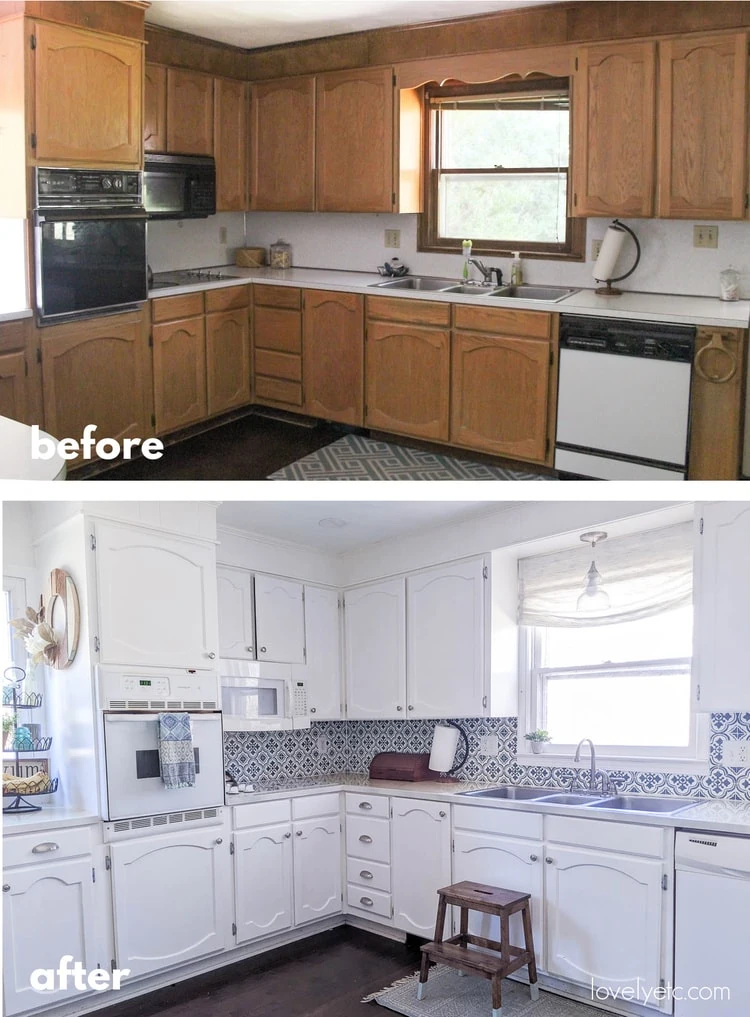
(577,759)
(486,272)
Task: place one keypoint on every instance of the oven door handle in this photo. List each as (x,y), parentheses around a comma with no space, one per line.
(76,215)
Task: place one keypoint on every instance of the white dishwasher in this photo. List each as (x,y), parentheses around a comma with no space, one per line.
(623,407)
(712,911)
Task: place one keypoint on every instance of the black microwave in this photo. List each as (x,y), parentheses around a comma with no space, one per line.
(179,186)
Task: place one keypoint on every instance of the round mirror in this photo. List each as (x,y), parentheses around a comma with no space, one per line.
(63,616)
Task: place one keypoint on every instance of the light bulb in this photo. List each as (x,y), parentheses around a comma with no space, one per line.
(593,598)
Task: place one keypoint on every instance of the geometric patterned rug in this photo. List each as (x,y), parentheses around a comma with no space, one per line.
(355,457)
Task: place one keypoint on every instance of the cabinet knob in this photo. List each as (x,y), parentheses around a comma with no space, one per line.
(411,707)
(6,887)
(367,901)
(366,874)
(549,860)
(249,649)
(313,710)
(399,708)
(299,833)
(366,839)
(534,858)
(287,835)
(211,656)
(263,649)
(219,840)
(365,805)
(442,815)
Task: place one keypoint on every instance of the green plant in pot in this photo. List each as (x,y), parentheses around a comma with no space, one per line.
(538,739)
(9,729)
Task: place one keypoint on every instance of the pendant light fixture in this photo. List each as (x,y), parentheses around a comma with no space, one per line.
(594,597)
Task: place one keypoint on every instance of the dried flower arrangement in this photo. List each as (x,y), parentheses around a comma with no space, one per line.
(37,635)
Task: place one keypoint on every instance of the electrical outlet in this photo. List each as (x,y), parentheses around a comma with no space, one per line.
(222,234)
(393,238)
(321,744)
(736,752)
(489,745)
(596,246)
(705,236)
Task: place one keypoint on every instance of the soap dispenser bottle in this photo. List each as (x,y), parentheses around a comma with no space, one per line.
(516,270)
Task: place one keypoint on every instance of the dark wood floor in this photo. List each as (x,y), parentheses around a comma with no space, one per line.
(325,976)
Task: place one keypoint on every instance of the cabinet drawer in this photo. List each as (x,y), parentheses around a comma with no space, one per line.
(594,834)
(367,838)
(504,821)
(278,391)
(278,296)
(228,298)
(45,847)
(417,312)
(183,305)
(373,901)
(279,365)
(262,814)
(12,336)
(368,805)
(312,806)
(503,321)
(277,329)
(371,875)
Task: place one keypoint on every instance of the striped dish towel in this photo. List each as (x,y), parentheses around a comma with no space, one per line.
(176,756)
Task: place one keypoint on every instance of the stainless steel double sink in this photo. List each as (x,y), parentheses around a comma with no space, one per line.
(585,799)
(549,294)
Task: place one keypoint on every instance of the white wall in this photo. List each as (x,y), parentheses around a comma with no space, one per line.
(13,292)
(194,243)
(275,557)
(18,547)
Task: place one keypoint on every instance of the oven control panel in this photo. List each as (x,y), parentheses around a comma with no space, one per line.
(61,187)
(157,689)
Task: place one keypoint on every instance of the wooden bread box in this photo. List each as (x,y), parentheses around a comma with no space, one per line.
(402,766)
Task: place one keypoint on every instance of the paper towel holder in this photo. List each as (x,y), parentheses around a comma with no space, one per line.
(439,764)
(609,290)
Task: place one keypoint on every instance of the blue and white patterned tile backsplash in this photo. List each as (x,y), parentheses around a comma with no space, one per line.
(350,745)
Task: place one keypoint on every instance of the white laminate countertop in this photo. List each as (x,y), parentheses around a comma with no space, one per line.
(50,818)
(659,307)
(23,312)
(15,455)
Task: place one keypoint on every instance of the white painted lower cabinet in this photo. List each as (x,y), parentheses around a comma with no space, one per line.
(420,862)
(263,881)
(317,868)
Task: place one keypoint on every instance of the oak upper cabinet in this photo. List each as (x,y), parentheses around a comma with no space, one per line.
(333,356)
(354,141)
(375,640)
(227,348)
(190,112)
(703,127)
(317,868)
(230,144)
(155,108)
(279,620)
(87,97)
(445,647)
(263,881)
(236,613)
(179,373)
(156,598)
(282,139)
(722,607)
(420,862)
(322,670)
(614,130)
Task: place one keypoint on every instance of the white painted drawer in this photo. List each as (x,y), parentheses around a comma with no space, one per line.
(374,875)
(506,822)
(262,814)
(368,805)
(312,806)
(371,901)
(626,838)
(46,847)
(368,838)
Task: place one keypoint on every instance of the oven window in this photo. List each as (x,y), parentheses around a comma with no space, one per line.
(164,193)
(147,763)
(252,703)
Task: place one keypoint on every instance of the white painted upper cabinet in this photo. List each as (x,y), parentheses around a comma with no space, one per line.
(263,881)
(317,868)
(420,862)
(445,651)
(172,899)
(156,597)
(322,672)
(279,620)
(236,614)
(375,638)
(48,913)
(722,607)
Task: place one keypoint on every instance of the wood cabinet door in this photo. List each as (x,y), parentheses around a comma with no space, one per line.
(190,112)
(236,613)
(333,356)
(88,90)
(156,926)
(500,394)
(282,140)
(445,641)
(13,387)
(375,641)
(263,881)
(227,360)
(614,130)
(418,873)
(317,869)
(230,144)
(97,372)
(155,108)
(716,404)
(322,670)
(407,379)
(703,127)
(179,373)
(354,141)
(279,620)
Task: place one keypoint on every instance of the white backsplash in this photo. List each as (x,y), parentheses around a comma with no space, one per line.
(669,263)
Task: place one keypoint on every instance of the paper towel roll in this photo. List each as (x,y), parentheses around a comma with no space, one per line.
(442,754)
(609,252)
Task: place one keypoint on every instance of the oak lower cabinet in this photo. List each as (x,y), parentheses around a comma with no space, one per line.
(263,881)
(282,133)
(18,398)
(179,373)
(227,360)
(375,641)
(321,671)
(236,613)
(420,862)
(333,355)
(190,112)
(230,144)
(172,897)
(277,346)
(279,619)
(717,396)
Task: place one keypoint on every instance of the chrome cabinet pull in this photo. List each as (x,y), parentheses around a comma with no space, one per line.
(263,649)
(45,848)
(534,858)
(399,709)
(367,901)
(366,839)
(313,710)
(6,887)
(249,649)
(287,835)
(365,805)
(411,707)
(442,815)
(549,861)
(366,875)
(219,840)
(299,833)
(211,656)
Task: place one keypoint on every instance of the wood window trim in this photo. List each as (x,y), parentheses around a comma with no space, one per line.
(428,240)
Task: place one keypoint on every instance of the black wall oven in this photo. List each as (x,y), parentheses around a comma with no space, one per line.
(89,243)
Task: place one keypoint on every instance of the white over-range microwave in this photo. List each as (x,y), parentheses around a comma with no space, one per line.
(257,696)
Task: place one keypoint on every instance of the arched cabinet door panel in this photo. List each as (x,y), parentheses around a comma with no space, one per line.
(417,875)
(263,881)
(317,869)
(279,620)
(375,642)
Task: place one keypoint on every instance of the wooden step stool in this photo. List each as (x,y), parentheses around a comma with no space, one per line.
(488,958)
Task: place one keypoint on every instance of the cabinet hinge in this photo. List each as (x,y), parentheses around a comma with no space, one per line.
(394,79)
(153,420)
(546,446)
(661,983)
(38,355)
(551,357)
(92,542)
(747,201)
(700,528)
(93,875)
(393,198)
(151,338)
(32,42)
(25,367)
(665,882)
(453,846)
(113,964)
(575,199)
(231,848)
(97,645)
(234,929)
(108,863)
(576,63)
(33,140)
(484,702)
(485,573)
(697,693)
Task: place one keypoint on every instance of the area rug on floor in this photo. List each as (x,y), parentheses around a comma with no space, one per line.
(447,994)
(358,458)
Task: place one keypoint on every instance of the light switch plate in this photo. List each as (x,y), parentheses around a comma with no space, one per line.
(736,752)
(705,236)
(596,246)
(321,744)
(393,238)
(222,234)
(489,745)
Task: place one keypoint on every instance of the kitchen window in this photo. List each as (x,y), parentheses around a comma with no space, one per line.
(498,170)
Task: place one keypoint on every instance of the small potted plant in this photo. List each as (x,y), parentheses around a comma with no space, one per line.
(9,730)
(537,739)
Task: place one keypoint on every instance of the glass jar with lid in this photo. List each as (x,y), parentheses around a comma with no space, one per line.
(281,254)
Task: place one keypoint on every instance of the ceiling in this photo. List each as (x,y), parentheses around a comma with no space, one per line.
(367,522)
(251,24)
